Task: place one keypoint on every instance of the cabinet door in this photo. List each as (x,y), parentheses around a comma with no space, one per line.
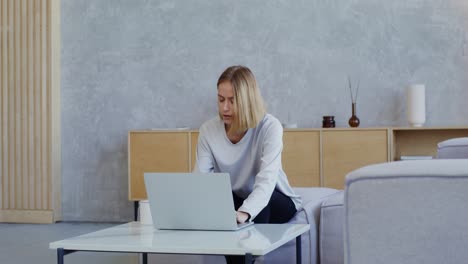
(301,157)
(193,152)
(155,152)
(346,150)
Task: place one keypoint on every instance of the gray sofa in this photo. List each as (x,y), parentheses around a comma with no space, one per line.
(407,212)
(332,212)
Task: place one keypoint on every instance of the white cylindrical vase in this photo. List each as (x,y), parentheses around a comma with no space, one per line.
(416,105)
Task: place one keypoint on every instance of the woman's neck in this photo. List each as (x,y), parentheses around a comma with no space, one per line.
(234,137)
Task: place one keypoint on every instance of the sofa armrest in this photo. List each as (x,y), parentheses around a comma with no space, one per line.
(312,199)
(455,148)
(331,241)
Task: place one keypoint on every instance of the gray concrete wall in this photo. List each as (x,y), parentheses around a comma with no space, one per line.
(146,63)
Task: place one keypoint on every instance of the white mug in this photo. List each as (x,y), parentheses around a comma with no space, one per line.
(145,213)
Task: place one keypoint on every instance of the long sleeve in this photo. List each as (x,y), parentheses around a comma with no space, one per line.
(267,177)
(204,158)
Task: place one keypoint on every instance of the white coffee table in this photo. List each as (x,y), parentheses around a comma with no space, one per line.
(253,241)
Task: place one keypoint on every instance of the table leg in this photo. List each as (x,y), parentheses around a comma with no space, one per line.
(145,258)
(61,253)
(135,210)
(248,258)
(298,250)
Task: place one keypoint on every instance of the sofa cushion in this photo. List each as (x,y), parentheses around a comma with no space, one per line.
(456,148)
(331,230)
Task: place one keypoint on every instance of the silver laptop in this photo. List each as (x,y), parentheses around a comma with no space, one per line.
(191,201)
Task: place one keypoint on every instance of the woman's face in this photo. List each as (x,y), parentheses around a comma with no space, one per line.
(226,102)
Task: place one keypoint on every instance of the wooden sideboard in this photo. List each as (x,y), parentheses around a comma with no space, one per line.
(311,157)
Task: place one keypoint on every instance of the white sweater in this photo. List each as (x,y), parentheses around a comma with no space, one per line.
(254,163)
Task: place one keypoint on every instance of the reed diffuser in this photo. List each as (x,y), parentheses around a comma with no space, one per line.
(354,120)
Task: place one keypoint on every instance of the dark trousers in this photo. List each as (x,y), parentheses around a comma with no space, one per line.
(280,209)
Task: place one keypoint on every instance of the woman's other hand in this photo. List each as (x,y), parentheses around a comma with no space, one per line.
(242,217)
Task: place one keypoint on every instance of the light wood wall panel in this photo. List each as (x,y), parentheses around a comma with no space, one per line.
(30,110)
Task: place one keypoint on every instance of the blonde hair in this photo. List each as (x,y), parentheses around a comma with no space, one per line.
(248,103)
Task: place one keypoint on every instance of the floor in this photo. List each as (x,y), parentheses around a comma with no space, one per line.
(29,243)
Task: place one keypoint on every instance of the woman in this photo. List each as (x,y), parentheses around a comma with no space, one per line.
(246,142)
